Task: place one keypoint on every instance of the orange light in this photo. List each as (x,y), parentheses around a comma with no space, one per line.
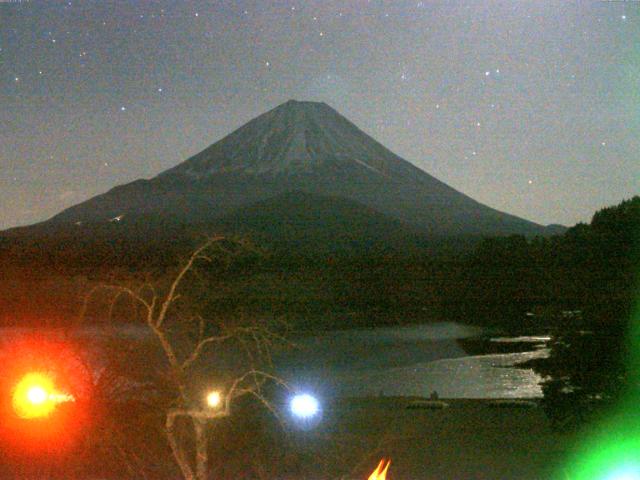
(35,397)
(380,473)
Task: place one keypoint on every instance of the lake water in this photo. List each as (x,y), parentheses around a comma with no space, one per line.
(414,360)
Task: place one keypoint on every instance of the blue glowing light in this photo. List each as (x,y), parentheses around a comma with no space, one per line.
(304,406)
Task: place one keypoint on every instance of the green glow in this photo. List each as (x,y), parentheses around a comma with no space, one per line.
(612,455)
(611,450)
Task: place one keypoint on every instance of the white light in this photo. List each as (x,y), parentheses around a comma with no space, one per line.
(213,399)
(304,406)
(37,395)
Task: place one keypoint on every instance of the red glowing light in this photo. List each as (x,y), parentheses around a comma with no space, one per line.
(44,391)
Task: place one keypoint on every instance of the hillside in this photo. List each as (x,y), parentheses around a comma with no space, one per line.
(296,147)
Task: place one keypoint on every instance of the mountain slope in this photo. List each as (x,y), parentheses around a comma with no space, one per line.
(298,146)
(305,221)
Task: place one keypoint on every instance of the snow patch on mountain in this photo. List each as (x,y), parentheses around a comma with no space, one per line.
(293,138)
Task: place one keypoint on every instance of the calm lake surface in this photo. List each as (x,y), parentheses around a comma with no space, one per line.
(413,360)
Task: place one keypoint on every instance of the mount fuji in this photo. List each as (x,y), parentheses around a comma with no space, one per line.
(301,165)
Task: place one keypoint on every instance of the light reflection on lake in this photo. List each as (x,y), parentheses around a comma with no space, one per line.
(480,376)
(413,360)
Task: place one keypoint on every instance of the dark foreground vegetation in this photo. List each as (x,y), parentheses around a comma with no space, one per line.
(317,282)
(580,286)
(468,440)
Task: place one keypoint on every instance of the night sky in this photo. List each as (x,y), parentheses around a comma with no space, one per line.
(532,107)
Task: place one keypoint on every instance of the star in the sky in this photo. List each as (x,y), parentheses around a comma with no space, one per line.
(462,100)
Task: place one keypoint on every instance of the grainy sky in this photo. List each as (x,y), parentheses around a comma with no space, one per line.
(529,106)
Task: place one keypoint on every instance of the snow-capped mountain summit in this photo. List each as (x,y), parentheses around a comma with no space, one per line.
(295,137)
(304,147)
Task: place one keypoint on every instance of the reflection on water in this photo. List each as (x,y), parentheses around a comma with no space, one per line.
(413,360)
(522,339)
(481,376)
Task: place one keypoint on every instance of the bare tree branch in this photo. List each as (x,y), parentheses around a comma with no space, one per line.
(178,452)
(195,354)
(255,340)
(171,296)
